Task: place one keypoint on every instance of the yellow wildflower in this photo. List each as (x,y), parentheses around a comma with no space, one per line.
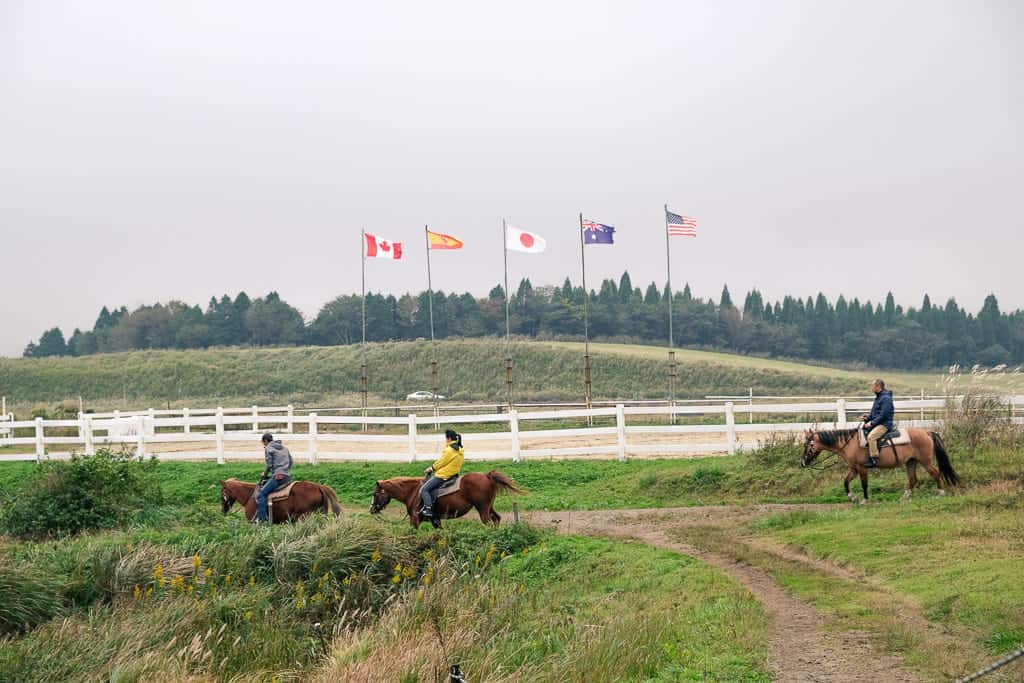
(396,578)
(196,562)
(158,575)
(408,572)
(227,580)
(149,591)
(419,594)
(252,581)
(208,573)
(376,556)
(137,592)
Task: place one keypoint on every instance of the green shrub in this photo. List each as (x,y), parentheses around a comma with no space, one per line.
(89,492)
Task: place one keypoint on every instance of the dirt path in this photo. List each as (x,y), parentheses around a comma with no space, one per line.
(798,648)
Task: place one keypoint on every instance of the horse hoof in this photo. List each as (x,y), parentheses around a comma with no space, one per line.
(942,492)
(864,502)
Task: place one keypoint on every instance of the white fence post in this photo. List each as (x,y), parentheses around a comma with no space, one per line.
(291,416)
(151,425)
(620,430)
(513,426)
(90,447)
(140,437)
(220,435)
(185,418)
(40,447)
(81,426)
(730,428)
(841,413)
(412,437)
(255,419)
(312,438)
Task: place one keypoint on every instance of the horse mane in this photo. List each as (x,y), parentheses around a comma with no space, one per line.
(831,437)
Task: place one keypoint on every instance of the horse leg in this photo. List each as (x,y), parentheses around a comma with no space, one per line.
(864,485)
(495,517)
(934,472)
(846,484)
(911,480)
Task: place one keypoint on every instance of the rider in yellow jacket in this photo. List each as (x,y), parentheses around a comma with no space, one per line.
(447,466)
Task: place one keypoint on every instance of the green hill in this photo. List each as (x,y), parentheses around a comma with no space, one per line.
(471,370)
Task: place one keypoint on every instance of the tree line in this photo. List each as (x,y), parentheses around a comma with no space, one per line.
(847,330)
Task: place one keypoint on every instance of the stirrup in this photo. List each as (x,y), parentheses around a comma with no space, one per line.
(872,462)
(426,512)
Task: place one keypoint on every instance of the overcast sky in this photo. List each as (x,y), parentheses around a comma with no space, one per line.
(172,150)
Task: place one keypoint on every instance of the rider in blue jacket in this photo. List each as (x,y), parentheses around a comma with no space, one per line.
(878,422)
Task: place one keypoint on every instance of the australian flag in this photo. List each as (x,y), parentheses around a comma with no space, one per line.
(596,233)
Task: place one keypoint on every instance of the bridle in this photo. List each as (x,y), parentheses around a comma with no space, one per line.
(828,462)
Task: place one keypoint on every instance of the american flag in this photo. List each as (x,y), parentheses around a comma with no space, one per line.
(680,226)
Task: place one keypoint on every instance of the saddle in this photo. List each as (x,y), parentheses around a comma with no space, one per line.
(281,494)
(450,486)
(894,437)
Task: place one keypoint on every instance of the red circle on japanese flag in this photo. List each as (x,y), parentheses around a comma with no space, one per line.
(526,239)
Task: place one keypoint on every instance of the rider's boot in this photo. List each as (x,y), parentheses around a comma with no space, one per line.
(426,512)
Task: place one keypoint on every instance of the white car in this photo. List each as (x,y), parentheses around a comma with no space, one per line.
(423,396)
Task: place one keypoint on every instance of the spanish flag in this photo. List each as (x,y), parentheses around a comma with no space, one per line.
(439,240)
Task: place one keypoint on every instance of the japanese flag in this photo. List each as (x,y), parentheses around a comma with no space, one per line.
(521,240)
(378,247)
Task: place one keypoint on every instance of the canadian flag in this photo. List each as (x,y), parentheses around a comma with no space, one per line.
(378,247)
(521,240)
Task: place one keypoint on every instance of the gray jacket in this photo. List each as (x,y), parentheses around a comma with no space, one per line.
(279,459)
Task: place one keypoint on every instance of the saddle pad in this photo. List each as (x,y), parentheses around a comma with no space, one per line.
(897,437)
(281,494)
(450,486)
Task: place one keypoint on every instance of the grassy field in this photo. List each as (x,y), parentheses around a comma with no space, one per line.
(960,560)
(203,597)
(471,370)
(768,475)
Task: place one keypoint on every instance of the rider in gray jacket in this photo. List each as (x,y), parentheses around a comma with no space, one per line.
(278,473)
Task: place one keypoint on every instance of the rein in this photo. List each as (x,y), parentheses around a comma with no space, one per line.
(833,457)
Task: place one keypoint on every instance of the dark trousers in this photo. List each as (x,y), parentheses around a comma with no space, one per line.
(261,496)
(428,488)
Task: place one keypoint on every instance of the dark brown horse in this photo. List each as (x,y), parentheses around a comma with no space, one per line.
(925,448)
(475,491)
(305,497)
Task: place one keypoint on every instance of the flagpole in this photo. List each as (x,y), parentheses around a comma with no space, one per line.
(586,327)
(364,385)
(430,286)
(433,345)
(508,327)
(671,349)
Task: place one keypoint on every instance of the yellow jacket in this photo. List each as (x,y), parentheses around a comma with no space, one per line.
(449,464)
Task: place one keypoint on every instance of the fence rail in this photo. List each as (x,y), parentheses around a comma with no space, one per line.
(209,433)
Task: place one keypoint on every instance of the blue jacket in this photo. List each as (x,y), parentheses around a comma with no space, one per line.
(881,410)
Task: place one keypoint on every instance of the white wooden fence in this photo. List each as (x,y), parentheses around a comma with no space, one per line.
(212,429)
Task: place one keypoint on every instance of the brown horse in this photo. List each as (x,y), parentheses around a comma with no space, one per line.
(304,498)
(476,491)
(925,448)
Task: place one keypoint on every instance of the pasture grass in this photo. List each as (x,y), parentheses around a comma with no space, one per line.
(770,474)
(203,597)
(471,370)
(935,581)
(570,609)
(960,559)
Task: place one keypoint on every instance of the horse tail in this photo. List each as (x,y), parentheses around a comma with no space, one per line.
(945,467)
(330,500)
(503,483)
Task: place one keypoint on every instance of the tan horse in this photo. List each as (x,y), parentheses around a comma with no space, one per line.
(304,498)
(475,491)
(925,448)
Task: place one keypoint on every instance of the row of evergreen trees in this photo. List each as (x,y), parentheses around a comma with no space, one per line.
(884,335)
